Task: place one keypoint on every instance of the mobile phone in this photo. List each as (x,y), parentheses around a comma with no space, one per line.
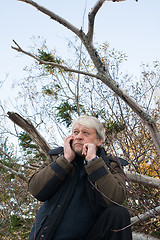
(71,143)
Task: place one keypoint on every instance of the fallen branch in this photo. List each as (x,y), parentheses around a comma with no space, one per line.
(31,130)
(143,179)
(142,217)
(13,171)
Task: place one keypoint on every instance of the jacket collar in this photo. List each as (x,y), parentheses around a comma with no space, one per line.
(100,153)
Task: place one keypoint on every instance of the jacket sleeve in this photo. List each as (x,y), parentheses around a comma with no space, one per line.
(109,181)
(45,182)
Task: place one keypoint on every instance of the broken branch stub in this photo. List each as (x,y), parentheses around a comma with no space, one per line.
(26,125)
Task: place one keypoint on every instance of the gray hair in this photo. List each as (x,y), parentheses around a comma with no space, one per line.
(91,122)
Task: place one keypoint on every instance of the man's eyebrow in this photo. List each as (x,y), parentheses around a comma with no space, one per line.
(75,129)
(86,129)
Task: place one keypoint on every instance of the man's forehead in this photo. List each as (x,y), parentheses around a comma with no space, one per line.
(80,126)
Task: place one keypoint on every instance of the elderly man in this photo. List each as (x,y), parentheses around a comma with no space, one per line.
(82,189)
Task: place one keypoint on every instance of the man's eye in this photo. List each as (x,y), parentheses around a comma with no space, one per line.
(75,132)
(86,133)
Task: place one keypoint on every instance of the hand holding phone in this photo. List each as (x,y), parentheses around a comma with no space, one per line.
(69,154)
(71,141)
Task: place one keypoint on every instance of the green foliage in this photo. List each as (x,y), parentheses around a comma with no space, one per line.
(29,147)
(17,208)
(65,111)
(15,222)
(26,141)
(5,196)
(112,126)
(45,56)
(6,159)
(51,90)
(49,57)
(18,228)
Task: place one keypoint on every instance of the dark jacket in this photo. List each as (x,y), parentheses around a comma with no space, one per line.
(54,184)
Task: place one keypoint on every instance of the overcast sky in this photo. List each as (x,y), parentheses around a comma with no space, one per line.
(132,27)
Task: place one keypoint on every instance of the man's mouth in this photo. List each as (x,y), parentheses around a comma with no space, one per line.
(78,143)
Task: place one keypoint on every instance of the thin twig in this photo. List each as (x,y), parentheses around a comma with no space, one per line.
(19,49)
(13,171)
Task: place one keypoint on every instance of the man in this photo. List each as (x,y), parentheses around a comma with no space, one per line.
(82,189)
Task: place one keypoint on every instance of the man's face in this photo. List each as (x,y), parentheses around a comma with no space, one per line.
(82,135)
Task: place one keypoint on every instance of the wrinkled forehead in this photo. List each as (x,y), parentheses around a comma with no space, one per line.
(79,127)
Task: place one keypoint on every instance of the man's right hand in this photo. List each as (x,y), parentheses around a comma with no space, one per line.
(69,154)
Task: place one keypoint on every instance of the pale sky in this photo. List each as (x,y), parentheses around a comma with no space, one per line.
(132,27)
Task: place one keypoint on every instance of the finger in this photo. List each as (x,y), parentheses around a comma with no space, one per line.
(69,138)
(85,149)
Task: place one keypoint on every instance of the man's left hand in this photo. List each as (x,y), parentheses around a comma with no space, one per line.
(89,151)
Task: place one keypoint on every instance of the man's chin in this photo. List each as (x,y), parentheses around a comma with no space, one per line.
(78,151)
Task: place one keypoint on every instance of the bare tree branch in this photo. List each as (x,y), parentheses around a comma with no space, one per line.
(143,179)
(116,0)
(91,18)
(155,134)
(31,130)
(6,154)
(53,16)
(146,215)
(13,171)
(19,49)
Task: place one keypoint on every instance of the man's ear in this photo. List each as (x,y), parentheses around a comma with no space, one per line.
(99,142)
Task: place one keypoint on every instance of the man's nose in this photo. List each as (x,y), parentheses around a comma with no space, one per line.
(79,136)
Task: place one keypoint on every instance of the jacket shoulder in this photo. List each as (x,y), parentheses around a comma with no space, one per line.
(121,161)
(108,158)
(56,151)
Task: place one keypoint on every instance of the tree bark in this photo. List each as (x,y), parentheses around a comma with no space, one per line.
(144,180)
(26,125)
(142,217)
